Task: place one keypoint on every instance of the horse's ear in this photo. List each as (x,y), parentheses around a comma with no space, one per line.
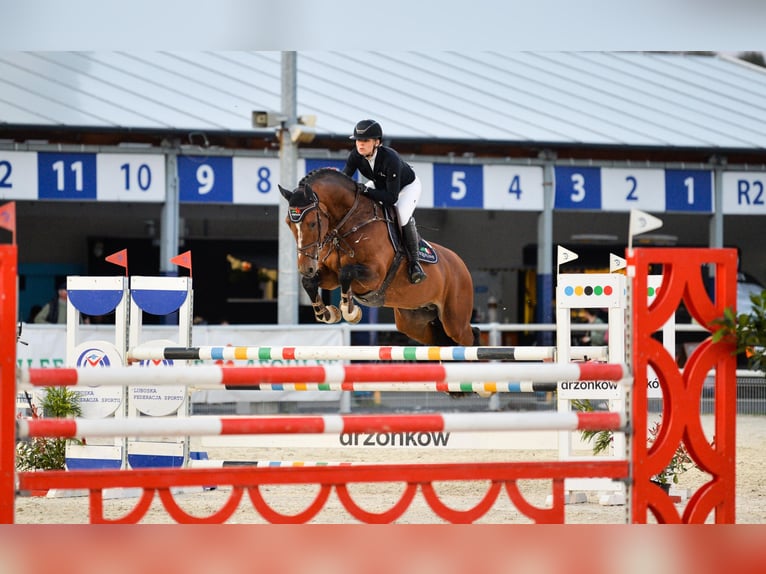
(310,194)
(286,193)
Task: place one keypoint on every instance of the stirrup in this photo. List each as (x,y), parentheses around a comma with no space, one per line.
(416,274)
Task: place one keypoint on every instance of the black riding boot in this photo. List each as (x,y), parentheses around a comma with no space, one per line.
(410,234)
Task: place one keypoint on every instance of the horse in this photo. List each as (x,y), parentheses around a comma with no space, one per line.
(346,239)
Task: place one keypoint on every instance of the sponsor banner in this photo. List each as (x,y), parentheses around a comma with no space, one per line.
(478,440)
(46,348)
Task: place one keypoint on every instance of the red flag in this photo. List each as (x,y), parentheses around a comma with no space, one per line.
(183,260)
(8,218)
(120,258)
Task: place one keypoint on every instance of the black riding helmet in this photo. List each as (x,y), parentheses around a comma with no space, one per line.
(367,130)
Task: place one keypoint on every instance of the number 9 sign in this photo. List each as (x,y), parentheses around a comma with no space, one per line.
(205,179)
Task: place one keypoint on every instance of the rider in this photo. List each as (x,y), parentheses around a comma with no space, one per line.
(392,182)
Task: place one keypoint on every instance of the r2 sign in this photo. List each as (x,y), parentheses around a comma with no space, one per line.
(744,192)
(458,185)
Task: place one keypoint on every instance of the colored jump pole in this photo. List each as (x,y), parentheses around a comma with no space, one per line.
(327,424)
(238,376)
(359,353)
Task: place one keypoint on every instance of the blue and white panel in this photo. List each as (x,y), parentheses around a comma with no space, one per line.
(458,185)
(744,193)
(256,181)
(577,188)
(516,188)
(205,179)
(18,175)
(626,189)
(67,176)
(310,164)
(689,190)
(131,177)
(425,173)
(140,177)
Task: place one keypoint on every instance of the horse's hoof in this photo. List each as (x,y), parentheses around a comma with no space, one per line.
(354,317)
(331,315)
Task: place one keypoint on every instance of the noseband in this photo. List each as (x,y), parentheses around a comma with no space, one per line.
(297,214)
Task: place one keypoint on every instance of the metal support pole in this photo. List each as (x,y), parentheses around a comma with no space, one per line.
(170,213)
(287,290)
(544,311)
(716,220)
(171,210)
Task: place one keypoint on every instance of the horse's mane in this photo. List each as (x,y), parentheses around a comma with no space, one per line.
(325,171)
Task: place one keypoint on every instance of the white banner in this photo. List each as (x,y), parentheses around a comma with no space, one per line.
(46,347)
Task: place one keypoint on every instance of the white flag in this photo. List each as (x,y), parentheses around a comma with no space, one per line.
(565,256)
(641,222)
(616,263)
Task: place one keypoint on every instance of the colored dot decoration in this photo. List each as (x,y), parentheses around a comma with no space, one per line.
(597,290)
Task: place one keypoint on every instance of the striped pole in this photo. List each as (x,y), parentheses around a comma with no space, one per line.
(321,424)
(409,386)
(214,375)
(360,353)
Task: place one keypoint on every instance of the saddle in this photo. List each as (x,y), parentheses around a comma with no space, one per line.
(426,253)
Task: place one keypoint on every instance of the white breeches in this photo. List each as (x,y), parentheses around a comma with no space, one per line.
(408,201)
(409,196)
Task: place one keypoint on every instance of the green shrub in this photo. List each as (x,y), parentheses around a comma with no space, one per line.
(43,453)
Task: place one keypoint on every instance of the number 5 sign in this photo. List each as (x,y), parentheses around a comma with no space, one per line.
(458,185)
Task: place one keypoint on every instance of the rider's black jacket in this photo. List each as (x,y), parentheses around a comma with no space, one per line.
(390,173)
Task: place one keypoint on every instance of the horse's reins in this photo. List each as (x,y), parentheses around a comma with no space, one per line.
(334,236)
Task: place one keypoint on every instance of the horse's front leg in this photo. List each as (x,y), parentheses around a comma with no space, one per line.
(322,313)
(351,311)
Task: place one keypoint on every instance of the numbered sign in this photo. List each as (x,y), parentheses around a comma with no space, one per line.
(744,193)
(688,190)
(623,189)
(18,175)
(66,176)
(458,185)
(577,188)
(425,173)
(255,181)
(311,164)
(205,179)
(131,177)
(518,188)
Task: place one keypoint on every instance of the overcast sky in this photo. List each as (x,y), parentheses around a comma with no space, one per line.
(734,25)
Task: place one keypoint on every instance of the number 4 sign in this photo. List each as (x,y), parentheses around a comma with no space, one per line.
(517,188)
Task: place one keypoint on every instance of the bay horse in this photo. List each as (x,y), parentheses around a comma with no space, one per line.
(346,239)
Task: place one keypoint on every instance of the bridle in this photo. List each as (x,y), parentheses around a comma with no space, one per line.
(334,236)
(297,214)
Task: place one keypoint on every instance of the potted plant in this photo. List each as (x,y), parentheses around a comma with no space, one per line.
(602,440)
(747,330)
(43,453)
(679,463)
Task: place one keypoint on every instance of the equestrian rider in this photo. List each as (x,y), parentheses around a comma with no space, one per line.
(391,182)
